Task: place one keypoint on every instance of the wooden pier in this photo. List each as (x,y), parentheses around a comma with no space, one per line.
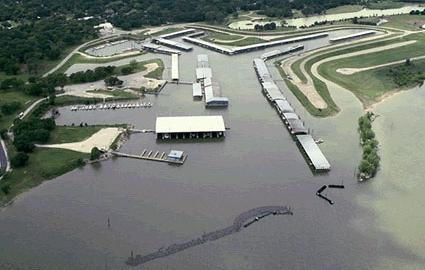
(152,156)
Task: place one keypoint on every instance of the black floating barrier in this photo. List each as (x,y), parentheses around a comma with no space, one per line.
(336,186)
(325,198)
(320,190)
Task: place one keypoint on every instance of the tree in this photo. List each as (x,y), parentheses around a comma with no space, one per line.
(10,107)
(5,189)
(19,160)
(95,153)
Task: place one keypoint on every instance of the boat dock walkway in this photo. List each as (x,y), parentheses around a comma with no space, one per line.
(152,156)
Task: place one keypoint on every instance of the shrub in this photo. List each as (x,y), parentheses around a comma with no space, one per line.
(19,160)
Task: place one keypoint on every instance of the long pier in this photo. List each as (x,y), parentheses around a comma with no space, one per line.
(242,221)
(152,156)
(293,122)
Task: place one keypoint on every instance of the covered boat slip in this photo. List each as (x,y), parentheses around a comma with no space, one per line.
(175,67)
(178,33)
(276,53)
(187,127)
(353,36)
(313,152)
(203,73)
(197,91)
(159,49)
(171,43)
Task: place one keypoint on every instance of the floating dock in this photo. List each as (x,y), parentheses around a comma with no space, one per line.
(352,36)
(154,156)
(313,152)
(175,67)
(291,120)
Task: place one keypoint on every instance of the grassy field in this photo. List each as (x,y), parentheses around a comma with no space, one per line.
(405,22)
(386,4)
(67,134)
(157,73)
(221,36)
(9,96)
(44,164)
(168,31)
(330,110)
(78,58)
(344,9)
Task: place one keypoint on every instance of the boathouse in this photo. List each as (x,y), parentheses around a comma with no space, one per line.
(190,127)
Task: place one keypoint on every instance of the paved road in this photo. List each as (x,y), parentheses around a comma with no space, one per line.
(4,165)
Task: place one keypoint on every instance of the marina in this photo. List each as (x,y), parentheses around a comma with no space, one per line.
(172,44)
(174,157)
(292,121)
(352,36)
(175,67)
(112,106)
(190,127)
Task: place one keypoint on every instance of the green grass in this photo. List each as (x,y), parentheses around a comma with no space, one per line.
(43,164)
(221,36)
(79,59)
(167,31)
(406,22)
(387,4)
(157,73)
(344,9)
(68,134)
(18,96)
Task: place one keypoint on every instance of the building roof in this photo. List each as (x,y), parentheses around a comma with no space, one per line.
(203,72)
(175,154)
(313,152)
(355,35)
(172,43)
(209,45)
(178,33)
(297,126)
(175,66)
(290,116)
(261,67)
(197,90)
(284,106)
(186,124)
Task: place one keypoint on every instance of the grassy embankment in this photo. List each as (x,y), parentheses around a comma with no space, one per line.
(370,85)
(406,22)
(48,163)
(344,9)
(368,94)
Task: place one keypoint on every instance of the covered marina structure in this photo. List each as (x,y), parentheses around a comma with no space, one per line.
(292,121)
(175,67)
(313,152)
(253,47)
(197,91)
(276,53)
(352,36)
(158,49)
(172,44)
(190,127)
(178,33)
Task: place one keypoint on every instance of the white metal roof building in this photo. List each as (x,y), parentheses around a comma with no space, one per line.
(197,90)
(187,126)
(203,73)
(172,44)
(313,152)
(175,67)
(352,36)
(178,33)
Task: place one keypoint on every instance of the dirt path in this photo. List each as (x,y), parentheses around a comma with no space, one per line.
(102,139)
(307,88)
(351,71)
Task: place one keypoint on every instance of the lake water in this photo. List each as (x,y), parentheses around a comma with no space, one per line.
(62,224)
(309,21)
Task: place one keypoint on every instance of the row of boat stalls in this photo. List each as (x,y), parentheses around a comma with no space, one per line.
(276,53)
(352,36)
(175,67)
(155,48)
(172,44)
(291,119)
(253,47)
(206,87)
